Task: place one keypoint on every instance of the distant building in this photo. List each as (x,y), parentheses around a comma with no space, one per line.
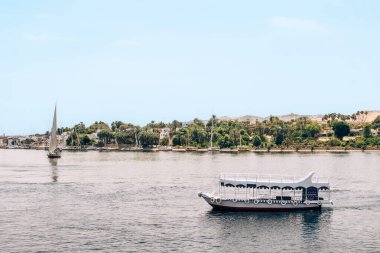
(186,124)
(41,140)
(349,138)
(3,141)
(356,132)
(164,133)
(269,137)
(324,139)
(93,136)
(13,141)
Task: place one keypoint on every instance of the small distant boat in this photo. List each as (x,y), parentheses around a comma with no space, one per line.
(179,149)
(269,193)
(149,149)
(243,149)
(73,148)
(165,148)
(135,149)
(229,150)
(191,149)
(213,149)
(54,150)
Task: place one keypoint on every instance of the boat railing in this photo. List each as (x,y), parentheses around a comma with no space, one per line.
(269,178)
(319,179)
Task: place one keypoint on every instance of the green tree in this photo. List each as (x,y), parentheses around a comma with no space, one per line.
(334,142)
(312,129)
(376,123)
(376,141)
(224,141)
(367,131)
(105,135)
(164,141)
(73,139)
(148,139)
(234,136)
(257,141)
(287,142)
(116,125)
(85,140)
(341,129)
(361,143)
(198,135)
(176,124)
(180,138)
(60,130)
(99,144)
(244,137)
(80,128)
(125,137)
(279,138)
(96,126)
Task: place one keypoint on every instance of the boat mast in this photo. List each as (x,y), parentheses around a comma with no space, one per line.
(212,129)
(136,139)
(72,138)
(80,145)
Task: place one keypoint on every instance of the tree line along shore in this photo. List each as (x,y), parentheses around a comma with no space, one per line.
(336,132)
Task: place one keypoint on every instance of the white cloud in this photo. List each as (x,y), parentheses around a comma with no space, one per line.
(43,38)
(297,24)
(124,43)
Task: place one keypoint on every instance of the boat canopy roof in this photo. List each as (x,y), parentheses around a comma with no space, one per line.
(274,182)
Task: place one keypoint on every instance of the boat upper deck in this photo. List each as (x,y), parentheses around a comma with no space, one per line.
(273,181)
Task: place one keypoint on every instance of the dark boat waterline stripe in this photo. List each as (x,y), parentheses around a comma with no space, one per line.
(264,209)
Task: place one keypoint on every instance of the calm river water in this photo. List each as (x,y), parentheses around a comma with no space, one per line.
(147,202)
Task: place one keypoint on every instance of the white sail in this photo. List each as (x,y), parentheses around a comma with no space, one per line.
(53,134)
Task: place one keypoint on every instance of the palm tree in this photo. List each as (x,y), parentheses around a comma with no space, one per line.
(212,128)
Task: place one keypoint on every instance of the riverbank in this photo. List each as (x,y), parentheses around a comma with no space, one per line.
(205,150)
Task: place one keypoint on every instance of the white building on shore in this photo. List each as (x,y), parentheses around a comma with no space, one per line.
(164,133)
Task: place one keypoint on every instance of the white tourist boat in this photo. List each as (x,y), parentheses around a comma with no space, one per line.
(238,192)
(54,150)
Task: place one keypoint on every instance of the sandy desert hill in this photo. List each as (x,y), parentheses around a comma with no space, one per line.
(369,118)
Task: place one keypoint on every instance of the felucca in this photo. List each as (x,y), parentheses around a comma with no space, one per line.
(54,151)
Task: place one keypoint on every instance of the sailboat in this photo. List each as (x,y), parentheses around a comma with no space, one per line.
(54,151)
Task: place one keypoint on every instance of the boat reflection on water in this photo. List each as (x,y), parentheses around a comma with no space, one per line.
(54,169)
(299,230)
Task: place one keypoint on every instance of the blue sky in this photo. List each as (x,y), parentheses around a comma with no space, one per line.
(138,61)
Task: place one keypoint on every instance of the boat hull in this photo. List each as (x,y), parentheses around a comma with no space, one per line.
(258,205)
(265,208)
(54,155)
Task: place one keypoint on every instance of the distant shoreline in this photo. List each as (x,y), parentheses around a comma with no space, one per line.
(204,150)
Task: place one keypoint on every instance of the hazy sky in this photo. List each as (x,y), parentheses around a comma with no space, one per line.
(142,60)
